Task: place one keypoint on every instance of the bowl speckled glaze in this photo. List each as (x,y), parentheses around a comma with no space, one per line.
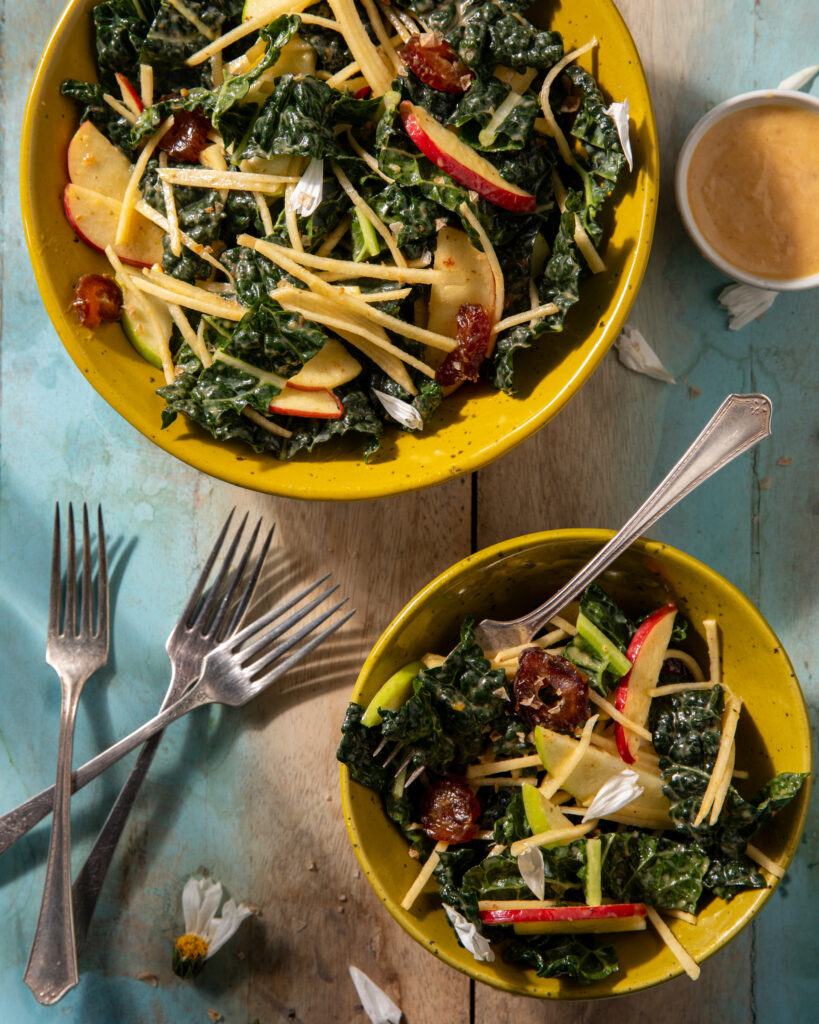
(476,425)
(509,579)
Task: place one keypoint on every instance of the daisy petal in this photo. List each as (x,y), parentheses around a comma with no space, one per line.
(376,1003)
(190,904)
(469,935)
(211,896)
(222,928)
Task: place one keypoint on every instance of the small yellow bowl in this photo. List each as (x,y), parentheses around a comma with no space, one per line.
(476,425)
(511,578)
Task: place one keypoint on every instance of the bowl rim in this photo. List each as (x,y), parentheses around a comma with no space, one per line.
(476,561)
(313,485)
(742,101)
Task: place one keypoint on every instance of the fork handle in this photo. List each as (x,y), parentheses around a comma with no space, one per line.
(52,964)
(23,818)
(737,425)
(89,881)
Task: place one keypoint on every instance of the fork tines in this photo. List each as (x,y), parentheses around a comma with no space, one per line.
(207,611)
(62,621)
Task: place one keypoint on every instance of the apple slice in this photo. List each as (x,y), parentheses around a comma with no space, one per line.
(646,653)
(392,694)
(94,217)
(146,323)
(322,405)
(613,917)
(461,161)
(330,367)
(130,96)
(650,810)
(541,813)
(95,163)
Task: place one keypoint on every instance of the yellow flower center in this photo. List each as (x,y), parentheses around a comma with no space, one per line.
(191,947)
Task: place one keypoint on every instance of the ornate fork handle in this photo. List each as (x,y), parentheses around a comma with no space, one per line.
(738,424)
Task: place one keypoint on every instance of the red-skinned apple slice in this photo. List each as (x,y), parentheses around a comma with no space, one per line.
(94,217)
(322,405)
(130,96)
(331,367)
(461,161)
(95,163)
(646,653)
(614,917)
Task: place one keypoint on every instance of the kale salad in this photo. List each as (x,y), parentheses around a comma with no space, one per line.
(580,785)
(324,216)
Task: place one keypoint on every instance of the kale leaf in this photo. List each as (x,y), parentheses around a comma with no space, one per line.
(551,956)
(275,340)
(477,107)
(358,744)
(358,417)
(120,28)
(296,119)
(639,867)
(89,94)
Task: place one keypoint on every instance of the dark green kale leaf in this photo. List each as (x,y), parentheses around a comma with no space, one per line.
(296,119)
(686,730)
(255,275)
(607,615)
(410,216)
(120,28)
(425,402)
(359,417)
(728,876)
(686,727)
(514,824)
(358,744)
(498,877)
(551,956)
(484,34)
(511,738)
(477,107)
(597,131)
(332,52)
(115,128)
(452,865)
(173,38)
(444,723)
(202,220)
(214,397)
(639,867)
(274,340)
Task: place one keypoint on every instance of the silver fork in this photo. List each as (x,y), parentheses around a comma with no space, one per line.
(207,618)
(737,425)
(52,965)
(245,676)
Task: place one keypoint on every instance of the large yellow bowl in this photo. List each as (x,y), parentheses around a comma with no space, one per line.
(509,579)
(476,425)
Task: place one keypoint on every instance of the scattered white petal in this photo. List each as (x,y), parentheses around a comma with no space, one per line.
(306,196)
(377,1004)
(469,935)
(221,928)
(745,303)
(404,413)
(618,112)
(636,353)
(614,794)
(799,78)
(530,866)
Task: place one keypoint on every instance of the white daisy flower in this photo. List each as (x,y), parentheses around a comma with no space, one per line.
(205,933)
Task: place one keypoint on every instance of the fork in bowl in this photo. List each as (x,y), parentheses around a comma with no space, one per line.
(75,654)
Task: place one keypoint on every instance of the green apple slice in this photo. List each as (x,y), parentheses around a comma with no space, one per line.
(541,813)
(392,694)
(594,872)
(140,327)
(650,810)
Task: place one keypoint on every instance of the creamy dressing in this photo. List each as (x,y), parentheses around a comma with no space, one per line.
(753,187)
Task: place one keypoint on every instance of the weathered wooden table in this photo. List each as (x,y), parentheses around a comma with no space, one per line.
(252,796)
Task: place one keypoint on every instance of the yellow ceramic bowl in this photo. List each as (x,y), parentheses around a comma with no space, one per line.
(509,579)
(476,425)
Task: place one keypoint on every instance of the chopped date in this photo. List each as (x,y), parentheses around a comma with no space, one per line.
(431,58)
(464,362)
(187,136)
(550,691)
(97,300)
(450,811)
